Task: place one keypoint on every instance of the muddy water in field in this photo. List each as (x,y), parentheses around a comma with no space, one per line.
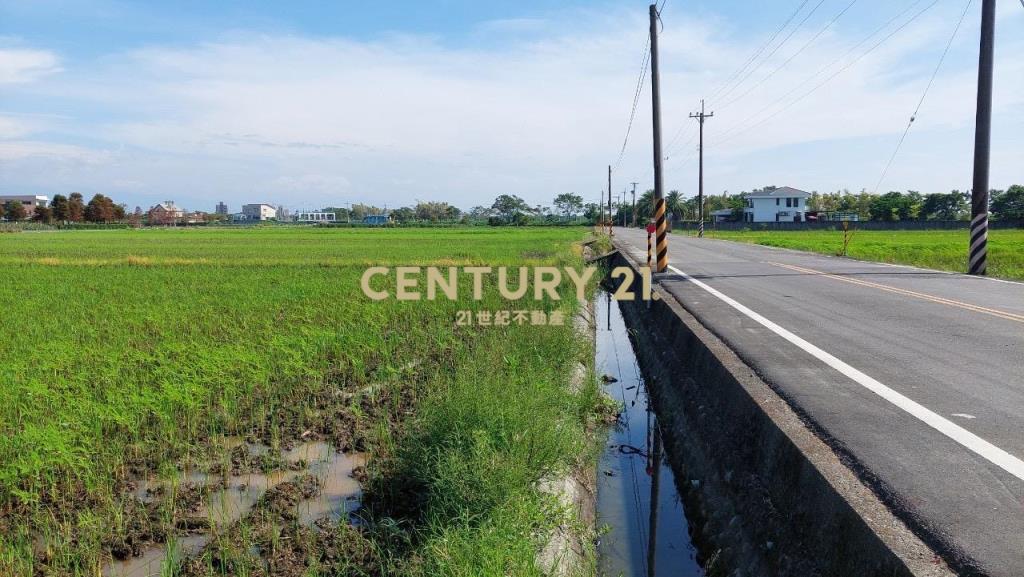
(236,496)
(636,492)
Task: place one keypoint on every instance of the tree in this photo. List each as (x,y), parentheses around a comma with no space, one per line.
(645,206)
(403,214)
(76,207)
(674,205)
(14,210)
(99,209)
(435,211)
(507,206)
(59,207)
(892,206)
(569,204)
(1009,204)
(941,206)
(3,211)
(479,213)
(43,214)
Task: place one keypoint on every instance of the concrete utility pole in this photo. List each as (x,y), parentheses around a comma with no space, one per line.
(982,142)
(634,202)
(661,244)
(700,186)
(611,217)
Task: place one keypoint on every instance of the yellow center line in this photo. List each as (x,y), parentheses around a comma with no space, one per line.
(931,298)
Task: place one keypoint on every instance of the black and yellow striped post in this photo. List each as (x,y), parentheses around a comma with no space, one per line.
(661,238)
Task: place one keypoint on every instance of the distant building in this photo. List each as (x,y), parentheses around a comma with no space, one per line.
(165,213)
(196,217)
(838,216)
(377,219)
(783,204)
(283,214)
(314,216)
(222,209)
(723,215)
(259,212)
(28,201)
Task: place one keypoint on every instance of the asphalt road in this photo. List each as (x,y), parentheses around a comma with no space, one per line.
(918,375)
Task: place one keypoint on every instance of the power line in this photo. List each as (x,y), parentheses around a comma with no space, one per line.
(636,98)
(774,50)
(732,129)
(921,101)
(794,55)
(740,70)
(825,81)
(759,50)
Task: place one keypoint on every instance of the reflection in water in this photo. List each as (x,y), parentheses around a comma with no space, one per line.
(642,539)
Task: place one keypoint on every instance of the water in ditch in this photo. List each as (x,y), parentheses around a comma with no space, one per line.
(637,503)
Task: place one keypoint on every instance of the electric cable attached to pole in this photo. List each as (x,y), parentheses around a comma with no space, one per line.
(931,80)
(661,244)
(700,116)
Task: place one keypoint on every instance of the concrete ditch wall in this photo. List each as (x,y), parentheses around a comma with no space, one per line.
(765,495)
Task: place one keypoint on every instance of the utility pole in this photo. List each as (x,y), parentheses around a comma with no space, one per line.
(700,186)
(610,216)
(982,142)
(634,202)
(661,245)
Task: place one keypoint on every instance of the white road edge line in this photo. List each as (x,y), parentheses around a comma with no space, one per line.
(979,446)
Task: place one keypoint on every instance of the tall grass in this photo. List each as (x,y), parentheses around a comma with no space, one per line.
(125,352)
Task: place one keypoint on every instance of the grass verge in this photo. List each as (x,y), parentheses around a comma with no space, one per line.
(934,249)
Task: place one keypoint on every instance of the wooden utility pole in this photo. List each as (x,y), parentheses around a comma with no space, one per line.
(661,241)
(634,202)
(610,216)
(982,142)
(700,116)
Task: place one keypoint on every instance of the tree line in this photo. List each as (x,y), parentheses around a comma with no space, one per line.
(510,209)
(71,208)
(892,206)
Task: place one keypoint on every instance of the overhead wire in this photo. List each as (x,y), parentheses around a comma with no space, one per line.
(636,99)
(757,52)
(739,128)
(773,51)
(638,91)
(920,102)
(736,73)
(792,56)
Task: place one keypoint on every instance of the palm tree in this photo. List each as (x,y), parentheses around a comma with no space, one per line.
(645,206)
(674,204)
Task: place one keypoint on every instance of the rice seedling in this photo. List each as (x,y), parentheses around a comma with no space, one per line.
(132,354)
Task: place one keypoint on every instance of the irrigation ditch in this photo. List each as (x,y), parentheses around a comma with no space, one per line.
(759,493)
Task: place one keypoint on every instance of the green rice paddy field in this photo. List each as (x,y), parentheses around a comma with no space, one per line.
(936,249)
(131,356)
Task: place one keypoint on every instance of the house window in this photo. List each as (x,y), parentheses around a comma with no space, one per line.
(776,202)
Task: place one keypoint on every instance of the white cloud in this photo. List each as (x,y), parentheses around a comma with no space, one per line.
(23,65)
(297,120)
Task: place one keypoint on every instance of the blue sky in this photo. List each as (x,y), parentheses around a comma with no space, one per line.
(314,103)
